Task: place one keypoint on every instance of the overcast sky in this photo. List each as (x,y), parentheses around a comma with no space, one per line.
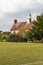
(19,9)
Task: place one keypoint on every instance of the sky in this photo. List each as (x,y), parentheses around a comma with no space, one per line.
(18,9)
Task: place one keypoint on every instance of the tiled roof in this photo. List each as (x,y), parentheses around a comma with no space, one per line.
(18,25)
(22,25)
(28,26)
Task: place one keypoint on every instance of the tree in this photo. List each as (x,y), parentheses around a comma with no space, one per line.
(0,32)
(38,28)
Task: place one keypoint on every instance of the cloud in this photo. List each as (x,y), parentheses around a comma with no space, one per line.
(39,1)
(10,9)
(9,6)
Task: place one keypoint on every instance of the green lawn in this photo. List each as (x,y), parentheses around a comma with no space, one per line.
(21,54)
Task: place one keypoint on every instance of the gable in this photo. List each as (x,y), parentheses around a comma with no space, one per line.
(22,25)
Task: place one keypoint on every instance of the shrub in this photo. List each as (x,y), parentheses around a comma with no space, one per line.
(41,40)
(15,38)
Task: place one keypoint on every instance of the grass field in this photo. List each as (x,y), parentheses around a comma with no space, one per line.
(21,54)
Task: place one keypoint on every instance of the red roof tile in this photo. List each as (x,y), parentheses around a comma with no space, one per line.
(22,25)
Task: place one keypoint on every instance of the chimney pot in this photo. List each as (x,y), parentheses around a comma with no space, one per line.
(15,21)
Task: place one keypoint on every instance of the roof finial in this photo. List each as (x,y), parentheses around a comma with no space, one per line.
(29,17)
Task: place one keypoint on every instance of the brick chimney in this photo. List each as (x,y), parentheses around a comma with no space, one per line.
(29,17)
(15,21)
